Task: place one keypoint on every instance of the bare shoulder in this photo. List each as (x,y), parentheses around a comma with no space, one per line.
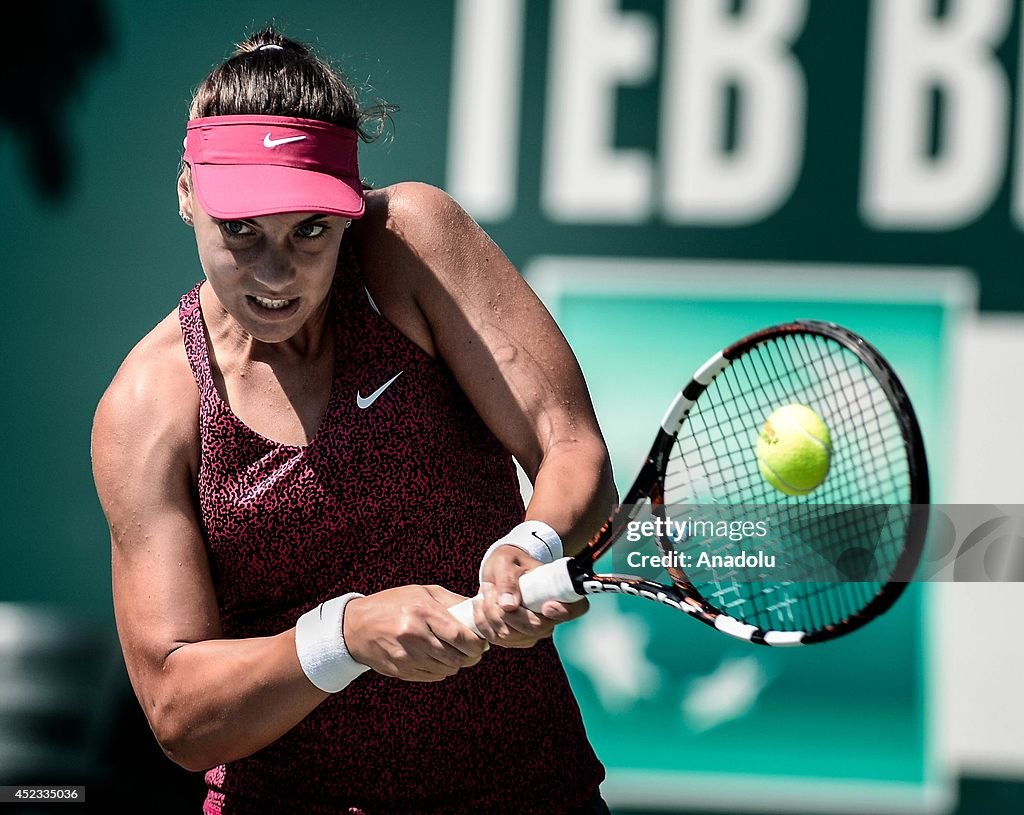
(152,401)
(412,208)
(404,243)
(416,224)
(420,252)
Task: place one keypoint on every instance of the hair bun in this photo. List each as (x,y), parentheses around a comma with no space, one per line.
(269,38)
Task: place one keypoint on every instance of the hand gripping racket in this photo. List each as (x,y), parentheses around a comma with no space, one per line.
(704,453)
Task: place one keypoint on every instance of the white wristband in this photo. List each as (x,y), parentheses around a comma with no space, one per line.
(536,538)
(320,643)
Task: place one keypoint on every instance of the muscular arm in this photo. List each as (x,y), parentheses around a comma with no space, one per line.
(209,699)
(506,352)
(460,298)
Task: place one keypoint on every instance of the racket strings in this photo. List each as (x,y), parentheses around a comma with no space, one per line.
(841,541)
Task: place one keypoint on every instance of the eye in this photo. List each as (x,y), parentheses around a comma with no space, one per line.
(235,229)
(311,230)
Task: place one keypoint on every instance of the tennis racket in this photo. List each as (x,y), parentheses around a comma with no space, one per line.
(864,521)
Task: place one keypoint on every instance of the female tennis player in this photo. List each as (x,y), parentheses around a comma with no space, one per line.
(320,436)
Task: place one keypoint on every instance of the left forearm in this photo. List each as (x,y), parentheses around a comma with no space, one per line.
(573,491)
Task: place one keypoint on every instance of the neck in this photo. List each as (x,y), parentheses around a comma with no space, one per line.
(311,341)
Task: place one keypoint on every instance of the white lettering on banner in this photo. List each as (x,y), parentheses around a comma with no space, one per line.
(483,129)
(711,49)
(594,49)
(1018,182)
(911,52)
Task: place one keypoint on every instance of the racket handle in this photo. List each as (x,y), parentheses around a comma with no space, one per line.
(463,612)
(548,582)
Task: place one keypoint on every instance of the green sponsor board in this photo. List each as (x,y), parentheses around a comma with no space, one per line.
(679,713)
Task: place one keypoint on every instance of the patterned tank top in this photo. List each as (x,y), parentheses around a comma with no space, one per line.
(411,489)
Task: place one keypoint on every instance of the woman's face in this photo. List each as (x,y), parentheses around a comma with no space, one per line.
(272,273)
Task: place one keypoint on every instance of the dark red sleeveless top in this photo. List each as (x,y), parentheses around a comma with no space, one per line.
(412,489)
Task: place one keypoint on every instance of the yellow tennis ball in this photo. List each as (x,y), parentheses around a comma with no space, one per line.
(794,449)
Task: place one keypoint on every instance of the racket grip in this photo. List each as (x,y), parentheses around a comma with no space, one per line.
(548,582)
(463,612)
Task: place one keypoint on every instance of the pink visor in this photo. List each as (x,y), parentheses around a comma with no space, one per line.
(246,166)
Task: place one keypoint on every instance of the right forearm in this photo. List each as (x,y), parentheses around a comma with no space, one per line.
(215,701)
(221,700)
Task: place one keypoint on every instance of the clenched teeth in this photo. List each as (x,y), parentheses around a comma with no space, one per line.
(263,301)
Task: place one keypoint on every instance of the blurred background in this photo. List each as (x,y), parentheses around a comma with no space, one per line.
(669,175)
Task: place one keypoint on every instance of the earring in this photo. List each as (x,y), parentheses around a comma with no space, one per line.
(348,223)
(186,218)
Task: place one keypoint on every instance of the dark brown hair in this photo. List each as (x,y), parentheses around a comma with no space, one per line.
(288,80)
